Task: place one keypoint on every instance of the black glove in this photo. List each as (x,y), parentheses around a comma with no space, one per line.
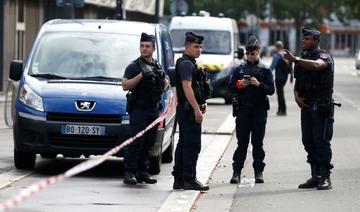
(147,74)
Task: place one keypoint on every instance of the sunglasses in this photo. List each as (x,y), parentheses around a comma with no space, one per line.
(250,53)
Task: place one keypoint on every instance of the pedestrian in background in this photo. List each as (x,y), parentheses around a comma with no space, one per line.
(251,82)
(314,74)
(283,68)
(192,92)
(145,80)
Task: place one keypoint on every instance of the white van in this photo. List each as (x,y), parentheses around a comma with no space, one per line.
(220,52)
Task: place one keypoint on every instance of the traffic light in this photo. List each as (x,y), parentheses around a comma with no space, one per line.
(75,3)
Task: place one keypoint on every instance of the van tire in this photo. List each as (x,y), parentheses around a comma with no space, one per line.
(24,160)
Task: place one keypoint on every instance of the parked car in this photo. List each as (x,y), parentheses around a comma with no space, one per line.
(357,60)
(70,100)
(221,51)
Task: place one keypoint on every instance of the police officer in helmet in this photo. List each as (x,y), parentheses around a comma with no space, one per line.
(145,80)
(250,83)
(192,92)
(314,73)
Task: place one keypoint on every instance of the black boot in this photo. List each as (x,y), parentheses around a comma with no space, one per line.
(259,177)
(145,177)
(325,182)
(236,177)
(314,180)
(129,178)
(178,183)
(194,184)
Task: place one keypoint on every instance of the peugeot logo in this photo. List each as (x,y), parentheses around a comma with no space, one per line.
(85,105)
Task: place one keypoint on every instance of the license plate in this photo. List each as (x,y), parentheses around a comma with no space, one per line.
(72,129)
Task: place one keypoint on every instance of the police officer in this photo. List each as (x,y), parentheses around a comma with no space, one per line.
(282,69)
(191,106)
(145,80)
(314,74)
(250,84)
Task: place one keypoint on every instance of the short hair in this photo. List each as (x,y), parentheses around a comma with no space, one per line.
(279,44)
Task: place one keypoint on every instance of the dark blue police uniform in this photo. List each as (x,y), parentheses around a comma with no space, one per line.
(143,108)
(250,108)
(252,112)
(189,144)
(316,87)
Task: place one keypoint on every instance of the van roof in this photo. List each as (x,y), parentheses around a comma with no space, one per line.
(108,26)
(200,22)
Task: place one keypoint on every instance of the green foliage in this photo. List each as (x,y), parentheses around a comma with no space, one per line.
(300,10)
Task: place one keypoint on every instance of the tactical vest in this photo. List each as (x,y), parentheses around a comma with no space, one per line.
(147,93)
(316,86)
(199,84)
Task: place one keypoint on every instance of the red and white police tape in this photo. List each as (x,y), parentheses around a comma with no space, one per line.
(86,165)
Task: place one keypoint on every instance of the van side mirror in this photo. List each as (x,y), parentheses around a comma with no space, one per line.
(16,70)
(172,75)
(240,53)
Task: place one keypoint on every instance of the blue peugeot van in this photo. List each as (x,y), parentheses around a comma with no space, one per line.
(70,100)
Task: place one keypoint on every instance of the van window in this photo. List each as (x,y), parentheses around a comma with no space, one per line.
(77,55)
(215,42)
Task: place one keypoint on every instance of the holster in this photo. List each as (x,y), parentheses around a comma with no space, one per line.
(130,102)
(325,108)
(235,106)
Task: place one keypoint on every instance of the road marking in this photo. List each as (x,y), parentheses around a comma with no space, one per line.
(12,176)
(247,183)
(182,200)
(227,126)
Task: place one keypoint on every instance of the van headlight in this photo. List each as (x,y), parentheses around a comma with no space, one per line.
(30,98)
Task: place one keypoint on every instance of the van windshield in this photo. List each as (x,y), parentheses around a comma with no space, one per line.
(215,42)
(94,56)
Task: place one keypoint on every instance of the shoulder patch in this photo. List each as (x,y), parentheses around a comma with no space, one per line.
(323,56)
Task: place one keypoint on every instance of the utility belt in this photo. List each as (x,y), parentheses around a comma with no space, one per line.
(133,102)
(238,104)
(186,106)
(323,107)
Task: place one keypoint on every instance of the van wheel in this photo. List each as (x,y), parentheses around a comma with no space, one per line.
(168,155)
(155,163)
(24,160)
(48,155)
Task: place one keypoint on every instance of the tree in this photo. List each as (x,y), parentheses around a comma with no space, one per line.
(303,12)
